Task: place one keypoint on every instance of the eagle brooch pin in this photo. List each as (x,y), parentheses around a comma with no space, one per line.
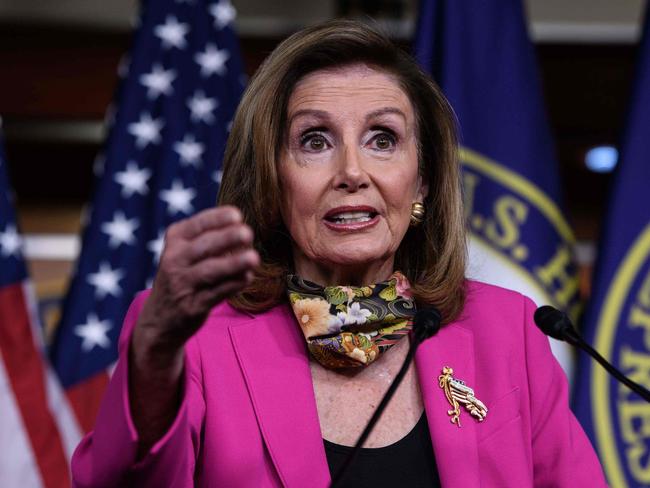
(458,393)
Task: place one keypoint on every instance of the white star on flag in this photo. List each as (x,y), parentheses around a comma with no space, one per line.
(217,175)
(94,333)
(189,150)
(106,281)
(223,12)
(133,180)
(158,82)
(120,230)
(10,241)
(202,107)
(156,246)
(178,198)
(212,60)
(146,131)
(172,33)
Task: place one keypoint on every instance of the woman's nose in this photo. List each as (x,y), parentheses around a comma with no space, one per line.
(351,174)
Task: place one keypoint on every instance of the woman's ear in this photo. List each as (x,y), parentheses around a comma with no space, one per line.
(423,190)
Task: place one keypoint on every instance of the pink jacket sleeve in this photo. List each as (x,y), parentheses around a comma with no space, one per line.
(562,453)
(106,457)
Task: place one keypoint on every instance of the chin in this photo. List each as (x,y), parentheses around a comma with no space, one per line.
(357,257)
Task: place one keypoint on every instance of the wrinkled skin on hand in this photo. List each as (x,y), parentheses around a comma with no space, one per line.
(206,259)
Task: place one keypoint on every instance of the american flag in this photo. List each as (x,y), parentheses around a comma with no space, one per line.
(38,431)
(161,163)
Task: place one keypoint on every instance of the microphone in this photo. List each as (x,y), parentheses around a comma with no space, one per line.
(557,324)
(425,324)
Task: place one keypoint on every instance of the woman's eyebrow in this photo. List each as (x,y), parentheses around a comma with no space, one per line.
(384,111)
(320,114)
(323,115)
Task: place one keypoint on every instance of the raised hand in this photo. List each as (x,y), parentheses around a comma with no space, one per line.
(206,259)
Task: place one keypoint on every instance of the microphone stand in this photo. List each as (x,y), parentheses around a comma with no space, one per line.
(421,332)
(572,337)
(557,324)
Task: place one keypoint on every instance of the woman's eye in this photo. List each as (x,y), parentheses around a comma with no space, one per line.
(384,141)
(314,142)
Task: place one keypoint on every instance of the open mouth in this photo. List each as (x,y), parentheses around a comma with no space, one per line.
(351,217)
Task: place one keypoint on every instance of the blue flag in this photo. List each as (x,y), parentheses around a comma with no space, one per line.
(479,53)
(161,163)
(617,322)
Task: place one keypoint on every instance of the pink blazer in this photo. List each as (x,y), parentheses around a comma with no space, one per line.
(248,416)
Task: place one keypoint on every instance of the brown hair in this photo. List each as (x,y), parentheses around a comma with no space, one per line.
(432,255)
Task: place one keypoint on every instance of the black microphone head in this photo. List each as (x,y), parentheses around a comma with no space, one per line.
(426,323)
(554,323)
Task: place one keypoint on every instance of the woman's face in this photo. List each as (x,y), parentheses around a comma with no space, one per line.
(349,173)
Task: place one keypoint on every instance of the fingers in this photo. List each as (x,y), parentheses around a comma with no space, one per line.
(212,232)
(220,278)
(216,271)
(206,258)
(210,219)
(210,296)
(218,242)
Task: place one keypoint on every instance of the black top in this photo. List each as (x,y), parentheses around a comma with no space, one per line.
(407,463)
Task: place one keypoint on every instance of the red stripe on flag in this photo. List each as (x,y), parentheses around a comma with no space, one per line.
(85,398)
(25,368)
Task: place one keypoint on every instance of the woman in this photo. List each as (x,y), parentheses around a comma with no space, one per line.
(275,322)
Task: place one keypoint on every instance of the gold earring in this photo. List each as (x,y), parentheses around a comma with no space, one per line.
(417,214)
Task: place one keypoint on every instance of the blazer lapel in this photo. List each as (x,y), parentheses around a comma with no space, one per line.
(455,448)
(273,357)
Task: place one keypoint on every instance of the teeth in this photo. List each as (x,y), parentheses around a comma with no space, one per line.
(339,220)
(350,217)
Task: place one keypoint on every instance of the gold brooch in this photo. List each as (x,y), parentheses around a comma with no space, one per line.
(457,393)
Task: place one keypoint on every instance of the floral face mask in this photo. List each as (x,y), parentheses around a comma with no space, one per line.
(349,326)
